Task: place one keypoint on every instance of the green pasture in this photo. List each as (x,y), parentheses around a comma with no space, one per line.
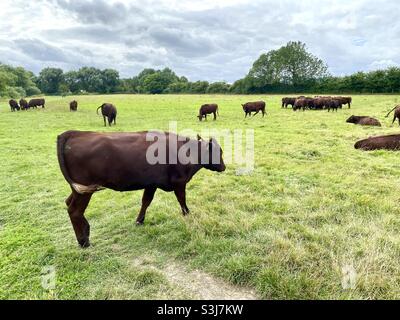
(312,209)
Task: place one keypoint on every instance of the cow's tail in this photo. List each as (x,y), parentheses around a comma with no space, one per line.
(217,111)
(97,111)
(391,111)
(81,189)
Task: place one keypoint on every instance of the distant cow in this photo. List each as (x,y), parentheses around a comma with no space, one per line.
(92,161)
(24,104)
(320,103)
(108,111)
(73,105)
(288,101)
(396,114)
(345,100)
(364,121)
(300,103)
(256,107)
(333,104)
(391,142)
(13,105)
(34,103)
(206,109)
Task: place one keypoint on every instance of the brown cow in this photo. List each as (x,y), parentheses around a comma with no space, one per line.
(391,142)
(364,121)
(73,105)
(396,114)
(333,104)
(24,104)
(345,100)
(288,101)
(123,161)
(205,109)
(108,111)
(300,103)
(34,103)
(256,107)
(13,105)
(320,103)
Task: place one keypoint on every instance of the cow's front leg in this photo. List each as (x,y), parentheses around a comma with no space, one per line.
(148,196)
(180,193)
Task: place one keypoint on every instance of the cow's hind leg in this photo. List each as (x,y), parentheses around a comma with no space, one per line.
(76,209)
(69,199)
(180,193)
(148,196)
(104,118)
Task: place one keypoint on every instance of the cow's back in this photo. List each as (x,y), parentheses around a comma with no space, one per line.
(115,160)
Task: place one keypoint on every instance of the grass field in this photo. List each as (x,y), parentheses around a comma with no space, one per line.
(312,208)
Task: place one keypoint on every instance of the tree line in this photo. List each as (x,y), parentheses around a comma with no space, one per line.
(289,69)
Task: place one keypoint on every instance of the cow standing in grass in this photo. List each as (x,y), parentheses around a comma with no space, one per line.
(345,100)
(92,161)
(255,107)
(13,105)
(24,104)
(288,102)
(206,109)
(108,111)
(34,103)
(396,114)
(73,105)
(334,104)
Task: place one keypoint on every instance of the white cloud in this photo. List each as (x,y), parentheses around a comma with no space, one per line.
(201,39)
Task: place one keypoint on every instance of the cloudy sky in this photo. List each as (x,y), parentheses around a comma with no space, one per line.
(209,40)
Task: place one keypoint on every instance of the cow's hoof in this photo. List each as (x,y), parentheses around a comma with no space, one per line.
(139,223)
(84,243)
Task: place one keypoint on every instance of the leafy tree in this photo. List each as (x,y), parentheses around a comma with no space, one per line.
(49,80)
(218,87)
(72,80)
(110,81)
(90,79)
(199,87)
(291,65)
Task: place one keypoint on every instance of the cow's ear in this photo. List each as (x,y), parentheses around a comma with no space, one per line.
(199,138)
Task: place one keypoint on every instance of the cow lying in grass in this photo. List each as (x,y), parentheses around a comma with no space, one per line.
(364,121)
(391,142)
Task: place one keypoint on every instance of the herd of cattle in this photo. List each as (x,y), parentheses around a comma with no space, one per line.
(87,167)
(317,103)
(25,105)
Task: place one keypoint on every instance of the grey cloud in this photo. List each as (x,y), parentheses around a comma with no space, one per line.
(40,50)
(215,43)
(182,43)
(94,11)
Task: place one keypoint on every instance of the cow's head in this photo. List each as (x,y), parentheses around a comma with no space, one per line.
(200,117)
(212,155)
(352,119)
